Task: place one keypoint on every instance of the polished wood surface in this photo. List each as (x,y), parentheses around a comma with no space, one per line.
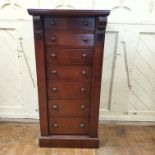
(68,24)
(69,73)
(70,13)
(59,108)
(68,126)
(69,56)
(69,39)
(68,90)
(22,139)
(72,48)
(41,76)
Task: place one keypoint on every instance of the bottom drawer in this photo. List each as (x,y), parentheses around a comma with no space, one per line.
(68,126)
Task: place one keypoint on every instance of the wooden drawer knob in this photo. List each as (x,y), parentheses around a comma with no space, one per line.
(82,89)
(85,40)
(55,125)
(84,55)
(54,89)
(85,23)
(82,106)
(55,107)
(53,55)
(82,125)
(83,72)
(54,72)
(52,22)
(53,39)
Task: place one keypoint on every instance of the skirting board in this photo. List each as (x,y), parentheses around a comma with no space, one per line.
(113,122)
(18,120)
(104,117)
(128,117)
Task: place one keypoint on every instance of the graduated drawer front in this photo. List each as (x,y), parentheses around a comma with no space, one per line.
(69,39)
(73,24)
(68,126)
(72,73)
(68,90)
(55,55)
(69,108)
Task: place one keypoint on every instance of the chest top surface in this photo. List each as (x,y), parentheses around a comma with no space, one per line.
(71,13)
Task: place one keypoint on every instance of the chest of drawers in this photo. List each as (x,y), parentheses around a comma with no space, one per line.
(69,51)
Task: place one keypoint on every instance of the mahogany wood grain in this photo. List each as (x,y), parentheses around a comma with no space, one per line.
(55,55)
(68,126)
(62,108)
(69,51)
(67,24)
(68,90)
(69,141)
(41,76)
(69,73)
(97,72)
(69,39)
(68,13)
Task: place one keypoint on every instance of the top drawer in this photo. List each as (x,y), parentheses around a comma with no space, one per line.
(86,24)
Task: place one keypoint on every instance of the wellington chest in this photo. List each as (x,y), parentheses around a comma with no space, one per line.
(69,47)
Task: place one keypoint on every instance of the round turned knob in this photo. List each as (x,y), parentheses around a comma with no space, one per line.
(55,107)
(53,55)
(85,40)
(82,125)
(53,39)
(54,89)
(55,125)
(82,106)
(84,55)
(52,22)
(54,71)
(83,72)
(85,22)
(82,89)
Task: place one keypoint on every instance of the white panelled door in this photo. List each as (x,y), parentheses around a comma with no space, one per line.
(128,86)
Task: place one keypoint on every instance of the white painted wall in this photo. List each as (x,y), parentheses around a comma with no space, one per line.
(128,86)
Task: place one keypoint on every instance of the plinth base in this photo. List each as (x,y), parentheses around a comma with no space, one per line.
(68,141)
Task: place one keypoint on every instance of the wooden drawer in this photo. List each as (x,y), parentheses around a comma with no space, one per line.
(69,39)
(86,24)
(68,126)
(69,56)
(73,73)
(71,108)
(68,90)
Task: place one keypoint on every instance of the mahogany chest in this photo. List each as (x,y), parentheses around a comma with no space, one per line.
(69,51)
